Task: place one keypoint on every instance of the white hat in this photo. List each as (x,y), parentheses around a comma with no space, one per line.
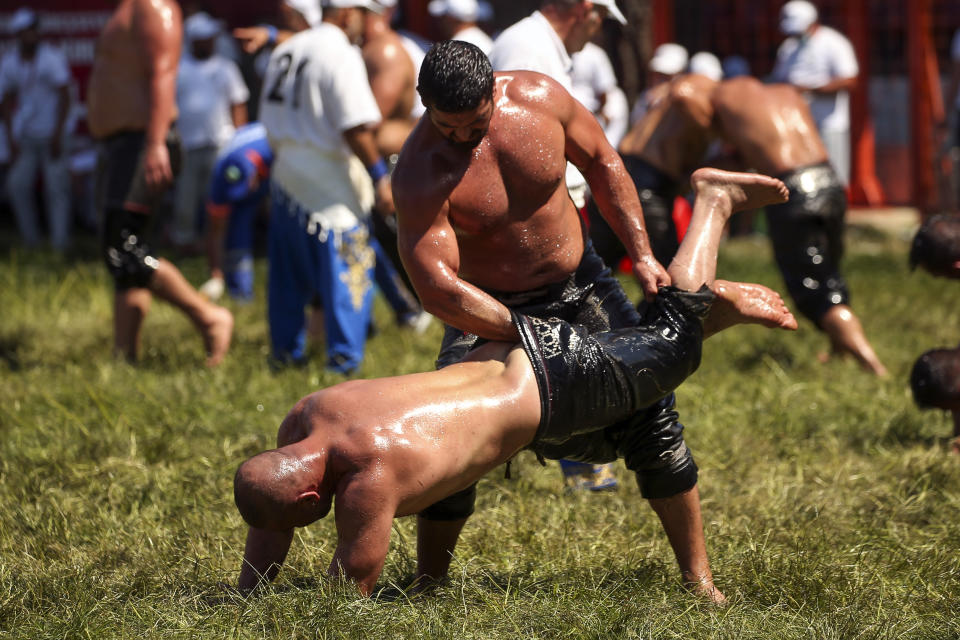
(200,26)
(309,9)
(379,6)
(465,10)
(796,17)
(706,64)
(347,4)
(23,18)
(611,6)
(669,59)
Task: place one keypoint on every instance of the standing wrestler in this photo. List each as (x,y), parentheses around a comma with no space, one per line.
(659,152)
(807,231)
(130,109)
(487,227)
(389,447)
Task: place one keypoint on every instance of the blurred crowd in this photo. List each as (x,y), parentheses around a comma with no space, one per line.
(220,198)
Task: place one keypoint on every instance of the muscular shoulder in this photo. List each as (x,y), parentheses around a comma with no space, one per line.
(532,90)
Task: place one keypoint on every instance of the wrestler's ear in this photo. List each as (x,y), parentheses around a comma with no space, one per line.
(308,496)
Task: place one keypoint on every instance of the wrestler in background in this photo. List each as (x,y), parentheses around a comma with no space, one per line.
(131,110)
(771,128)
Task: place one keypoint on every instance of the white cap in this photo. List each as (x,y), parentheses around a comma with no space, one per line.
(465,10)
(669,59)
(796,17)
(23,18)
(611,6)
(379,6)
(200,26)
(346,4)
(706,64)
(309,9)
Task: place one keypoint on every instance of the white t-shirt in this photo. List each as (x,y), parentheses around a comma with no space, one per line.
(35,85)
(813,62)
(533,45)
(206,89)
(475,36)
(595,85)
(316,88)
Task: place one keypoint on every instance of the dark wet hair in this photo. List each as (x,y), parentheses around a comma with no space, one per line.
(936,247)
(935,378)
(455,76)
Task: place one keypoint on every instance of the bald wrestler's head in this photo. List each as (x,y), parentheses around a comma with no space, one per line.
(279,490)
(935,379)
(936,247)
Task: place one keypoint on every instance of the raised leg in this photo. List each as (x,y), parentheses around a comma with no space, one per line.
(746,303)
(130,308)
(718,195)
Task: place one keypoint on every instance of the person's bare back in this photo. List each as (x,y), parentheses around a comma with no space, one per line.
(119,89)
(506,198)
(674,134)
(770,125)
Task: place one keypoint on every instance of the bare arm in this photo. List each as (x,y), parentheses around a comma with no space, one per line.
(238,114)
(388,69)
(430,254)
(252,39)
(364,519)
(362,142)
(835,86)
(263,555)
(158,28)
(612,188)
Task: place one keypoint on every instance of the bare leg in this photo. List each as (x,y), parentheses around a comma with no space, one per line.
(746,303)
(214,322)
(680,516)
(847,336)
(718,195)
(436,541)
(130,307)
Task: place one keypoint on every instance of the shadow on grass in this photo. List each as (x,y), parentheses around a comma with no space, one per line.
(10,344)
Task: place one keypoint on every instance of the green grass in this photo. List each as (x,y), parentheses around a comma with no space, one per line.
(831,506)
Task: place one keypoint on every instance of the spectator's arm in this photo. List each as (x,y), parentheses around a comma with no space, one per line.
(63,110)
(238,113)
(835,86)
(362,142)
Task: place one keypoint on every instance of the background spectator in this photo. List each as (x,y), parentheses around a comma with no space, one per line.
(457,20)
(821,62)
(211,100)
(35,90)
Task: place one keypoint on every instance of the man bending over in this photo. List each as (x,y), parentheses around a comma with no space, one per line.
(392,446)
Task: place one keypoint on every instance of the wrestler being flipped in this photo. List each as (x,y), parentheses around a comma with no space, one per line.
(390,447)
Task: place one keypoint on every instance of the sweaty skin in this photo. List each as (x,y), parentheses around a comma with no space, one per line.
(675,132)
(770,125)
(390,447)
(482,201)
(392,78)
(133,80)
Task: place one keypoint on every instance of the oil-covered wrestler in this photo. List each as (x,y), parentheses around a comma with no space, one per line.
(773,132)
(130,110)
(487,227)
(392,447)
(659,152)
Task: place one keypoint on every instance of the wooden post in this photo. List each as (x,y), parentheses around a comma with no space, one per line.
(919,48)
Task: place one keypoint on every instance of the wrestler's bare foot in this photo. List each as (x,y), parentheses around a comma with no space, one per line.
(217,330)
(743,191)
(848,338)
(705,588)
(747,303)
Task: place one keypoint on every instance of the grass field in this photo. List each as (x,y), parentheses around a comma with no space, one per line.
(831,506)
